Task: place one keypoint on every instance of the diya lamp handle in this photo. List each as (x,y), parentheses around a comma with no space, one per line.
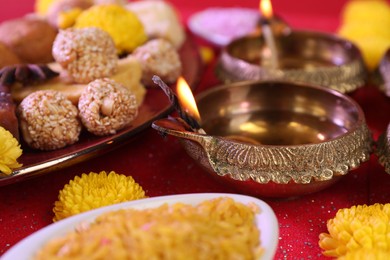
(187,118)
(177,127)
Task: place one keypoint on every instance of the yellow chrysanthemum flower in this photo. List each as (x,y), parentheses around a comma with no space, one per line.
(123,25)
(94,190)
(359,227)
(364,254)
(10,151)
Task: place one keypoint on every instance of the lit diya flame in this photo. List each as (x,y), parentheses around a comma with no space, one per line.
(188,111)
(189,114)
(266,8)
(187,100)
(270,52)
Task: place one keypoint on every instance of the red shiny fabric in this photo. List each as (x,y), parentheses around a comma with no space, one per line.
(162,167)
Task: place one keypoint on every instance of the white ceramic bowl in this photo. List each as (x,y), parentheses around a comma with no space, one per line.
(266,222)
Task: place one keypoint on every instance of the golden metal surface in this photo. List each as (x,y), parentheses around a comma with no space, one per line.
(384,74)
(307,57)
(308,136)
(383,149)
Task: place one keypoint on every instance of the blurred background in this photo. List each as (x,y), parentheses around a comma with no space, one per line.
(286,8)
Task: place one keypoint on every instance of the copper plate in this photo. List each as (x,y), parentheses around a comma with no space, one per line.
(155,106)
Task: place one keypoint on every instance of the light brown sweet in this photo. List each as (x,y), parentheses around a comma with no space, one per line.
(160,20)
(158,57)
(48,120)
(128,74)
(30,38)
(106,106)
(86,53)
(7,56)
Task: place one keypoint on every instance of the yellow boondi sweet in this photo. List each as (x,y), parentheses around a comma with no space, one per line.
(68,18)
(355,228)
(123,25)
(220,228)
(10,151)
(95,190)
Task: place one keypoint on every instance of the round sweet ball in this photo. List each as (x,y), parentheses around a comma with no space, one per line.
(7,56)
(30,38)
(123,25)
(86,54)
(160,20)
(48,120)
(158,57)
(106,106)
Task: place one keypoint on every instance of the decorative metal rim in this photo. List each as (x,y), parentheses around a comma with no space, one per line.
(344,78)
(301,164)
(383,149)
(384,73)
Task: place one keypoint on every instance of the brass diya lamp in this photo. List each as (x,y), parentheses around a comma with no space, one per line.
(383,149)
(383,81)
(272,138)
(383,146)
(384,73)
(276,52)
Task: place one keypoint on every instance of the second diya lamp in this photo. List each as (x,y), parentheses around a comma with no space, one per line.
(383,72)
(276,52)
(272,139)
